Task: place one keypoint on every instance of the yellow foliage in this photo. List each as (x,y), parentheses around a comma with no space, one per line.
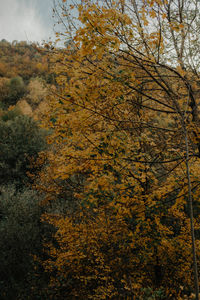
(118,153)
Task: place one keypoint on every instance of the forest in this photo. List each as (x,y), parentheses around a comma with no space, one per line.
(100,155)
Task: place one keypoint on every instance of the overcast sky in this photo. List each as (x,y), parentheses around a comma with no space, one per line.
(26,20)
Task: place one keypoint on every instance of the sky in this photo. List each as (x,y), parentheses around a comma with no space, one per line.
(26,20)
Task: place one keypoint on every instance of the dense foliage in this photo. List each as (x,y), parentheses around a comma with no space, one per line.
(20,239)
(21,140)
(115,209)
(22,59)
(21,231)
(126,148)
(24,73)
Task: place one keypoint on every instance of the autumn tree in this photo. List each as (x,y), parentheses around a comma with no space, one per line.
(126,144)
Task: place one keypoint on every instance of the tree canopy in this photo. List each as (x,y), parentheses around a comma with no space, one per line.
(125,136)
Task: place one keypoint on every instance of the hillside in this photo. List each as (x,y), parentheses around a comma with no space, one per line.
(24,76)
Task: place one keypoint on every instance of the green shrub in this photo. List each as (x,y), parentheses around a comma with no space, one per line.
(21,138)
(15,90)
(20,239)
